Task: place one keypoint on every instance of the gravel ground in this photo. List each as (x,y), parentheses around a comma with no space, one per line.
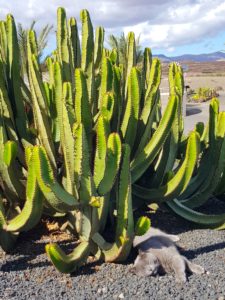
(27,274)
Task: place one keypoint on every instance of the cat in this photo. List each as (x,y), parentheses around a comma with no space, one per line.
(158,254)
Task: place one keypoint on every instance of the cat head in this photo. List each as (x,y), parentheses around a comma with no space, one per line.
(146,264)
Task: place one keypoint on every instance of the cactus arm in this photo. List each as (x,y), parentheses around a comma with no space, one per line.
(87,51)
(98,48)
(7,239)
(148,112)
(196,217)
(98,57)
(47,88)
(213,119)
(176,85)
(51,101)
(174,142)
(106,78)
(214,171)
(179,182)
(58,96)
(69,102)
(68,263)
(125,223)
(143,139)
(102,213)
(107,108)
(112,164)
(49,63)
(43,127)
(82,107)
(160,166)
(200,177)
(7,115)
(6,105)
(11,185)
(39,100)
(102,130)
(10,152)
(208,156)
(117,98)
(82,167)
(55,195)
(63,43)
(154,82)
(147,64)
(67,141)
(3,41)
(32,210)
(84,180)
(130,57)
(14,78)
(130,119)
(74,43)
(142,161)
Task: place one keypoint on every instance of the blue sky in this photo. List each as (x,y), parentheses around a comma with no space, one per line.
(213,44)
(170,27)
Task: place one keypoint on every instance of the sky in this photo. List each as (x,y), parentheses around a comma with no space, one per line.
(170,27)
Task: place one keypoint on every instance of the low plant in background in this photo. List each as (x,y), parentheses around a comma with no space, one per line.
(90,144)
(202,94)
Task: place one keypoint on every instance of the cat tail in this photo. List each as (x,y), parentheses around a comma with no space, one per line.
(193,267)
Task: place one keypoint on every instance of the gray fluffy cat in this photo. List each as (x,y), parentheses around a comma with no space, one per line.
(158,254)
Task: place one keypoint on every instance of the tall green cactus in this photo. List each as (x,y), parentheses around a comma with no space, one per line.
(98,140)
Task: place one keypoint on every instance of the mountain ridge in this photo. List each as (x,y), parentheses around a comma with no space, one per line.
(204,57)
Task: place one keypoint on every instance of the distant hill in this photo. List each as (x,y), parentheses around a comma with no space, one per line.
(209,57)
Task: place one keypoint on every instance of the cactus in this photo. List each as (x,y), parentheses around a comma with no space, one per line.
(178,183)
(214,221)
(144,158)
(32,210)
(97,141)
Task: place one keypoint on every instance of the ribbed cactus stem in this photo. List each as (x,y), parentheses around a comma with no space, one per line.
(74,41)
(130,57)
(39,100)
(147,62)
(87,52)
(63,43)
(14,80)
(106,78)
(98,48)
(82,106)
(130,119)
(3,41)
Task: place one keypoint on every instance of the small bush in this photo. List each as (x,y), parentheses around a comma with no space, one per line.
(203,94)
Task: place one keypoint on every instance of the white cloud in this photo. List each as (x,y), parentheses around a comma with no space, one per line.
(161,23)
